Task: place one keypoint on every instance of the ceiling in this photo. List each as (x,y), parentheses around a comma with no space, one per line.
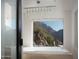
(66,5)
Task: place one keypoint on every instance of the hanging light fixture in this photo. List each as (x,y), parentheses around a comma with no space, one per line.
(38,2)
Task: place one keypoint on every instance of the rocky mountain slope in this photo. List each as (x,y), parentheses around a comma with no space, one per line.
(45,36)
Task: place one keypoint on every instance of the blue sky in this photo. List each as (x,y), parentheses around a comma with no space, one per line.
(55,24)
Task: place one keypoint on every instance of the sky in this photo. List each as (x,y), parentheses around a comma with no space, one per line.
(55,24)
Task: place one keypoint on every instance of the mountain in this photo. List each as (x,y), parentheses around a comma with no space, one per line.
(59,35)
(45,36)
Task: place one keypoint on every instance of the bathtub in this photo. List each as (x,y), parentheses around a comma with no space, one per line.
(45,50)
(46,53)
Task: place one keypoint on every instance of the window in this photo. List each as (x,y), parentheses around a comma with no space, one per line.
(48,33)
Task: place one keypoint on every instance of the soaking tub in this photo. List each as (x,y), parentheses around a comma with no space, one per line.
(46,53)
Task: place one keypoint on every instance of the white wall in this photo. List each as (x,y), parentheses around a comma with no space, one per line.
(63,10)
(68,31)
(75,30)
